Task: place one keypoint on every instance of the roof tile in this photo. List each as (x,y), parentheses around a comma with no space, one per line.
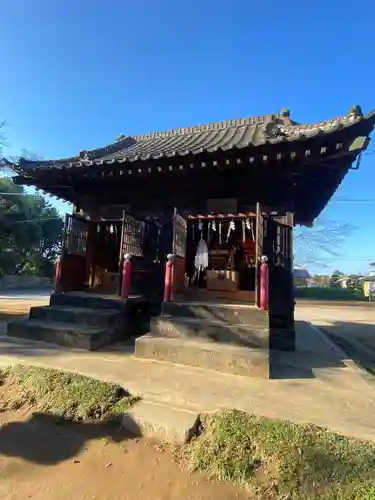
(230,134)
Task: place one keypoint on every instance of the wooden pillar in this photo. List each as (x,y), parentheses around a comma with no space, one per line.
(281,297)
(126,276)
(264,277)
(58,275)
(168,281)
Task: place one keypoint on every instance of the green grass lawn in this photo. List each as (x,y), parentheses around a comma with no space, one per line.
(280,460)
(68,395)
(328,293)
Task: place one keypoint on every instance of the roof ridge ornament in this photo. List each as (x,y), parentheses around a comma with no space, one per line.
(355,112)
(285,113)
(121,137)
(85,155)
(273,129)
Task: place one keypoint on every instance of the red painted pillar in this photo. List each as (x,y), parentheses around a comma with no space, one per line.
(168,280)
(126,276)
(264,278)
(58,273)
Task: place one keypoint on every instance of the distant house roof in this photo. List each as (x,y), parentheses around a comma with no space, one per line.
(301,273)
(370,277)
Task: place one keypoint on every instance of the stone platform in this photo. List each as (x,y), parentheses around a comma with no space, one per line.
(83,320)
(229,338)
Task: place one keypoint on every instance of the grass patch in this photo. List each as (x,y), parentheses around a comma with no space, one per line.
(328,293)
(280,460)
(68,395)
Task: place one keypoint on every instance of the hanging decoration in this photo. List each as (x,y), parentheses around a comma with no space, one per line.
(193,230)
(208,230)
(200,228)
(252,230)
(201,256)
(220,232)
(243,231)
(232,227)
(213,225)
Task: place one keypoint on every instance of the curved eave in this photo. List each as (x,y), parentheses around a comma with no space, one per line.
(157,147)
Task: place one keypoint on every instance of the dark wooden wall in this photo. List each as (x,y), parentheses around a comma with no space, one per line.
(162,193)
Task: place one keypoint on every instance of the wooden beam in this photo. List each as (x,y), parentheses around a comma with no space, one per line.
(359,143)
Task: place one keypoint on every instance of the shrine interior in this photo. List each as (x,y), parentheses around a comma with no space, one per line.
(230,262)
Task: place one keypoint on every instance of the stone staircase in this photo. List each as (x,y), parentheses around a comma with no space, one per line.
(230,338)
(83,320)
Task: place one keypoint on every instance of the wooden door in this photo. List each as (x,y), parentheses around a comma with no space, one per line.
(132,236)
(179,250)
(132,239)
(74,249)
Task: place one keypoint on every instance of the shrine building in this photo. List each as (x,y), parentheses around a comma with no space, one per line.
(195,226)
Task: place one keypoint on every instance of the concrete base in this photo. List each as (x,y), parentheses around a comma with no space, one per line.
(210,331)
(162,422)
(227,338)
(223,358)
(234,314)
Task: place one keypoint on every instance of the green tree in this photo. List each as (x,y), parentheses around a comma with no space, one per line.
(335,278)
(30,232)
(354,282)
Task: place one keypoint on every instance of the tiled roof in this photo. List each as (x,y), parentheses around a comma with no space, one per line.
(226,135)
(301,273)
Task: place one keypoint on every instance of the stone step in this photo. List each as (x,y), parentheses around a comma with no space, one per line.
(63,334)
(95,301)
(223,358)
(162,422)
(230,313)
(210,331)
(79,315)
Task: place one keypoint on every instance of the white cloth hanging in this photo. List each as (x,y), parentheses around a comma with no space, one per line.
(201,256)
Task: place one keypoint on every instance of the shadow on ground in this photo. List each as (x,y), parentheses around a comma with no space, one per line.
(47,439)
(356,340)
(27,348)
(313,353)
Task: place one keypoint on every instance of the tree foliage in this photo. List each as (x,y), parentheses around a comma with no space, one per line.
(354,282)
(30,232)
(335,278)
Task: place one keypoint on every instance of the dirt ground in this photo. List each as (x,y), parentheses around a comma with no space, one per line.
(18,308)
(42,457)
(351,321)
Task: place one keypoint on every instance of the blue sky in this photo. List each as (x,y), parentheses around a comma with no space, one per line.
(76,74)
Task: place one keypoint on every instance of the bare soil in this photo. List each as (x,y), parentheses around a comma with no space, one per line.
(42,457)
(11,309)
